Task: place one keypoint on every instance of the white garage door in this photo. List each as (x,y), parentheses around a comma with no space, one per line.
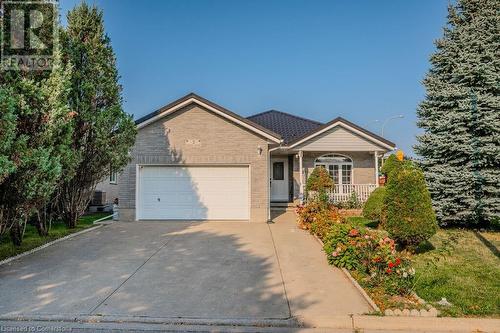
(193,193)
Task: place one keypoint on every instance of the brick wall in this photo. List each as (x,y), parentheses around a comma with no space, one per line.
(193,136)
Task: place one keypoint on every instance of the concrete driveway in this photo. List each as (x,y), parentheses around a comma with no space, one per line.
(212,271)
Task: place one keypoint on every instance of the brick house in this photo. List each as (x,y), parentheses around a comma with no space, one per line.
(195,160)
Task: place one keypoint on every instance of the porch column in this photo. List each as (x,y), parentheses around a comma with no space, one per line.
(301,176)
(375,154)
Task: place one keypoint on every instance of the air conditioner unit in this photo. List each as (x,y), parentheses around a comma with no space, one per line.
(99,198)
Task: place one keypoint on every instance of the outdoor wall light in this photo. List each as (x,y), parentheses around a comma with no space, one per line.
(259,150)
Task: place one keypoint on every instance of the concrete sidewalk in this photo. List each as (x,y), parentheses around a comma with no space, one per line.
(309,279)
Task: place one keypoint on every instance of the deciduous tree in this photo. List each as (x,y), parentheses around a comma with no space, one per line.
(103,132)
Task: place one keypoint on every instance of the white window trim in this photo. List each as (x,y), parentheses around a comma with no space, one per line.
(113,180)
(316,163)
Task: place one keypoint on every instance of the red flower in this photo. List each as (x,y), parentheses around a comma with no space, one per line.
(353,233)
(391,265)
(398,261)
(388,271)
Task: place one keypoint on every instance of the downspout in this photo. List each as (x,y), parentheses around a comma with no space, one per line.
(269,180)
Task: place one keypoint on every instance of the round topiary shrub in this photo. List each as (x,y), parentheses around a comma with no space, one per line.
(372,209)
(408,215)
(319,182)
(392,163)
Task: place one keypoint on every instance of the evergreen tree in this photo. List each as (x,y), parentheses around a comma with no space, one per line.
(35,131)
(103,132)
(407,211)
(461,119)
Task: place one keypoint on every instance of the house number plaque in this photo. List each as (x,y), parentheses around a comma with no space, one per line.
(193,142)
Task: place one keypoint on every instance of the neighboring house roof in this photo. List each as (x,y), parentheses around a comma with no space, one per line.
(192,98)
(339,121)
(290,127)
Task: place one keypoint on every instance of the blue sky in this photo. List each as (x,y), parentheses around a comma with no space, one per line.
(362,59)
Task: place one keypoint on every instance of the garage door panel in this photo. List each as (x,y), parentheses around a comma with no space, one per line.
(211,193)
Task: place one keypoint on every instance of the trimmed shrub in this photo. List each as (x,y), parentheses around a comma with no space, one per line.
(392,163)
(373,206)
(408,217)
(319,180)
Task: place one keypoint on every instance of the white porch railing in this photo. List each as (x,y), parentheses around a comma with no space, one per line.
(343,192)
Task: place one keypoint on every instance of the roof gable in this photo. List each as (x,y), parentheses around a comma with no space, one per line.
(355,129)
(195,99)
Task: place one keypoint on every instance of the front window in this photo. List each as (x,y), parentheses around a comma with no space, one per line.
(112,176)
(339,167)
(278,171)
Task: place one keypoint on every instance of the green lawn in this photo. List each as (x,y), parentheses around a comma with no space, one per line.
(32,239)
(464,267)
(361,221)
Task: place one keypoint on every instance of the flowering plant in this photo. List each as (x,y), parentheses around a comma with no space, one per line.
(317,216)
(372,253)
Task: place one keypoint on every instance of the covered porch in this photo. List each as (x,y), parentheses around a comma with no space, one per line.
(353,172)
(349,153)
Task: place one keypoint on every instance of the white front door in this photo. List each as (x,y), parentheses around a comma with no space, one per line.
(279,179)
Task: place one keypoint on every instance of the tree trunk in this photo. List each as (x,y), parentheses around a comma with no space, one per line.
(74,201)
(72,218)
(16,234)
(41,223)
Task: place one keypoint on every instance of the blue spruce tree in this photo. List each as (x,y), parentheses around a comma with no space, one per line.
(460,116)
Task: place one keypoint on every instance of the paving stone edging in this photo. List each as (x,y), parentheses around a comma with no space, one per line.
(429,312)
(41,247)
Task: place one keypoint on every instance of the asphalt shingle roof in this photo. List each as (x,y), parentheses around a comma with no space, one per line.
(287,125)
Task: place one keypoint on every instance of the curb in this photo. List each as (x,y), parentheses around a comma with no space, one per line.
(41,247)
(266,322)
(353,281)
(361,290)
(356,323)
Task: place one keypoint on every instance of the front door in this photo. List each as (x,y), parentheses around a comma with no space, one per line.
(279,179)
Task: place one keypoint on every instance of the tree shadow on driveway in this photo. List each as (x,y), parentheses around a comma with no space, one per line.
(152,269)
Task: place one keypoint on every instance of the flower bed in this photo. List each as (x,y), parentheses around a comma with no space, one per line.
(369,255)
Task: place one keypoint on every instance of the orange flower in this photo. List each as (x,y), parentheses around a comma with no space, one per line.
(353,233)
(72,114)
